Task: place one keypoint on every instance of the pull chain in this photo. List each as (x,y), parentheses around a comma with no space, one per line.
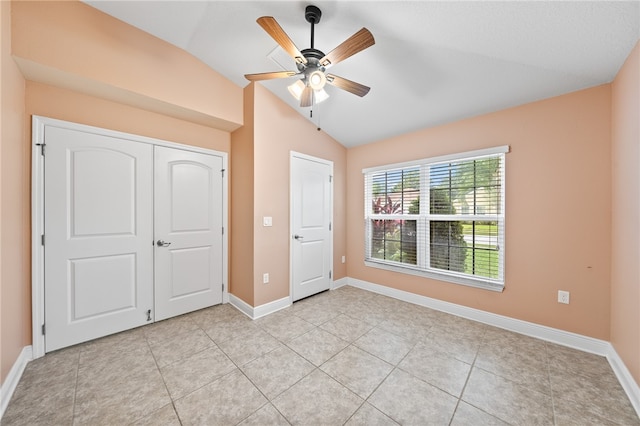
(318,128)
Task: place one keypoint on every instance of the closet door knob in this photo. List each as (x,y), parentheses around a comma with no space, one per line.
(161,243)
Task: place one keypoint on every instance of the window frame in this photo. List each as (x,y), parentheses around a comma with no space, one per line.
(425,217)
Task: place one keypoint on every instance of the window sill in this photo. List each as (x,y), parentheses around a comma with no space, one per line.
(469,282)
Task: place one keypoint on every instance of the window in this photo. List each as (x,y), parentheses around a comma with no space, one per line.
(441,217)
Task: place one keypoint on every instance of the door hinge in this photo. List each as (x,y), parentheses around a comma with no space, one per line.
(42,239)
(330,178)
(41,145)
(329,274)
(223,287)
(222,171)
(329,226)
(43,329)
(223,230)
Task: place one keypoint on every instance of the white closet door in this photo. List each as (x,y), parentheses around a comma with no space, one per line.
(311,199)
(98,247)
(188,231)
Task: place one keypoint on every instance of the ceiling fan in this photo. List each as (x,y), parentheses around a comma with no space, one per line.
(312,64)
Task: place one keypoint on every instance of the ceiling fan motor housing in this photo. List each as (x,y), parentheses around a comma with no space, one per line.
(312,54)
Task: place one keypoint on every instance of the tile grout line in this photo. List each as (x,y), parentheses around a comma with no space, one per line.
(269,401)
(395,367)
(464,387)
(553,399)
(164,382)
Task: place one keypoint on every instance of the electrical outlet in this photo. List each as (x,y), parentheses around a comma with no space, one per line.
(563,297)
(265,278)
(344,259)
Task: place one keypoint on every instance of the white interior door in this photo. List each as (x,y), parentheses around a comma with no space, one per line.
(98,254)
(188,231)
(311,211)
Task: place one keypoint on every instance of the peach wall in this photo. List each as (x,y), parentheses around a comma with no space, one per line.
(15,312)
(625,239)
(558,218)
(63,104)
(72,45)
(242,189)
(279,129)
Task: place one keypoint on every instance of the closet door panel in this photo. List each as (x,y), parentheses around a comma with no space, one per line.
(98,236)
(188,231)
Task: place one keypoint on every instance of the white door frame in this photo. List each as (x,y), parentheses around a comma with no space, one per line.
(37,212)
(294,154)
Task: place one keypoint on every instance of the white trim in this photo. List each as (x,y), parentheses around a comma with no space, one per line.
(38,125)
(259,311)
(339,283)
(271,307)
(241,305)
(476,282)
(46,121)
(625,378)
(225,224)
(13,378)
(441,159)
(37,229)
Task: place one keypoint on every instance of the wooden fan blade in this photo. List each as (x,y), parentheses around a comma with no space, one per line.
(354,44)
(269,75)
(348,85)
(306,98)
(271,26)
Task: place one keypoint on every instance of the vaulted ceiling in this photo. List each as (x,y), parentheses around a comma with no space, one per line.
(432,63)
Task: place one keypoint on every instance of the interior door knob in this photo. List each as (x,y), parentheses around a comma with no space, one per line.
(161,243)
(298,237)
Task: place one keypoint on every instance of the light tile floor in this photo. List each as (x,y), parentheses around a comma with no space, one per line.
(342,357)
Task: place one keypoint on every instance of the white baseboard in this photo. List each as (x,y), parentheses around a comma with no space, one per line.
(11,382)
(561,337)
(241,305)
(259,311)
(339,283)
(271,307)
(554,335)
(625,378)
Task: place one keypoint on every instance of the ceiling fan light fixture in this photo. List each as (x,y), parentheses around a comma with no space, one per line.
(317,80)
(320,96)
(296,89)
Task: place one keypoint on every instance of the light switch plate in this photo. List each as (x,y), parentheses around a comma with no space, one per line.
(267,221)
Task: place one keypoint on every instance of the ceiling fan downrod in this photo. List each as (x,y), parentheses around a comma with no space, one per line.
(312,14)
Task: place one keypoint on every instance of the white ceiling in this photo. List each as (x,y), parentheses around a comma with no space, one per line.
(433,62)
